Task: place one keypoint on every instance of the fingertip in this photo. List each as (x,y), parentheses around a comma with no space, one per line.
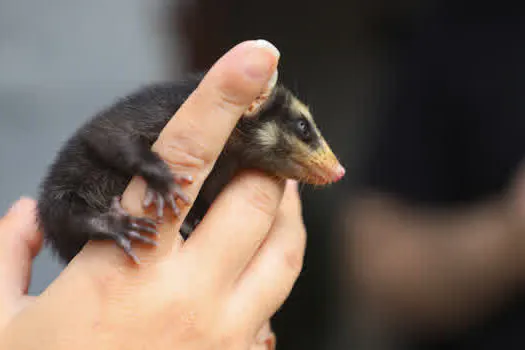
(29,217)
(21,220)
(21,207)
(292,185)
(244,73)
(291,199)
(20,242)
(265,44)
(260,46)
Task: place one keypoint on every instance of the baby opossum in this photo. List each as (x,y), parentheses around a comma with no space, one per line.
(79,198)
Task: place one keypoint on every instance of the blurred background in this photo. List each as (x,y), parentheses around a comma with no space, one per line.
(420,246)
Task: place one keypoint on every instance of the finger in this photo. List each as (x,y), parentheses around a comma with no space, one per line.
(268,280)
(193,139)
(20,242)
(235,226)
(197,134)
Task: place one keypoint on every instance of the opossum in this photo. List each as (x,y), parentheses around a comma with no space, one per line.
(79,197)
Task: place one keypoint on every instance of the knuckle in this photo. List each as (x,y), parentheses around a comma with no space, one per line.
(200,325)
(293,259)
(294,246)
(226,340)
(190,320)
(236,92)
(185,152)
(230,103)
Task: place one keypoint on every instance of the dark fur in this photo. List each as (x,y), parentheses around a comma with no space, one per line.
(98,161)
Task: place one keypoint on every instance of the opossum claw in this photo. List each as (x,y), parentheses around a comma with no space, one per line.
(124,228)
(160,199)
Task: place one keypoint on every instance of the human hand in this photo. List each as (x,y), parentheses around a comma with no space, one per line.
(513,214)
(214,291)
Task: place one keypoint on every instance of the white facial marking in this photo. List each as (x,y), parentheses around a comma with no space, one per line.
(268,135)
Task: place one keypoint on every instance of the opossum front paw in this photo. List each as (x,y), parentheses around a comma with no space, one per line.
(169,197)
(125,228)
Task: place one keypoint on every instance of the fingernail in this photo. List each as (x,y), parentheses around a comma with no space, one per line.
(272,81)
(258,65)
(265,44)
(261,43)
(258,68)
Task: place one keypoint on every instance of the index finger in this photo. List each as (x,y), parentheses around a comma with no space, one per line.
(193,139)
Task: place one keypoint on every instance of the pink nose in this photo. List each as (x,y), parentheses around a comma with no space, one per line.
(339,172)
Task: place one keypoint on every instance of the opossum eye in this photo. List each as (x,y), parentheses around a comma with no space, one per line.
(303,128)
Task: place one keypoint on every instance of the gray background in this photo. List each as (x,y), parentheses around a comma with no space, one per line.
(60,62)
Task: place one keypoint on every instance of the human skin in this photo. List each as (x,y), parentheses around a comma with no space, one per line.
(436,269)
(217,290)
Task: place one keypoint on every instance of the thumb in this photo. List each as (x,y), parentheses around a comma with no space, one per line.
(20,241)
